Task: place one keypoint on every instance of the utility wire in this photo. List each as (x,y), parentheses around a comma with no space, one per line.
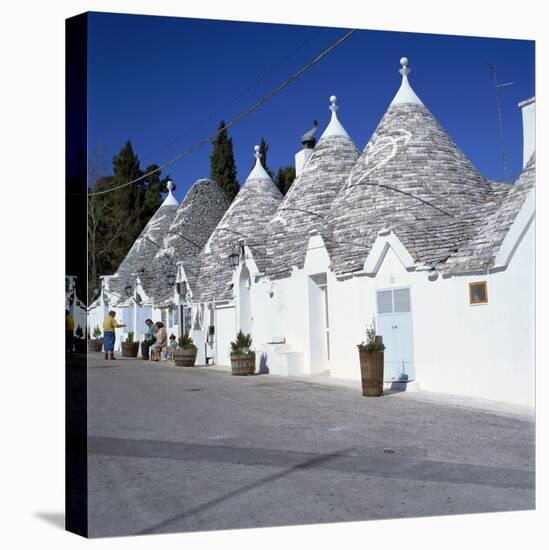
(242,93)
(235,120)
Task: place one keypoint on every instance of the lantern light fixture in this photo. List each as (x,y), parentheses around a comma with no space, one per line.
(237,254)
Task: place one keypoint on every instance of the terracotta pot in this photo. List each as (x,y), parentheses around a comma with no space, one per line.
(95,345)
(371,370)
(130,349)
(185,357)
(243,364)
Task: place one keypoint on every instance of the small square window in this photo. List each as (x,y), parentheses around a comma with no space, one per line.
(478,293)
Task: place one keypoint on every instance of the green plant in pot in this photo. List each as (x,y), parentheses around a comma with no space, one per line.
(371,353)
(242,357)
(96,343)
(185,354)
(129,347)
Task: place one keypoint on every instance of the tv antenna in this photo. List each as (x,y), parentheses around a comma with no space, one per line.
(498,86)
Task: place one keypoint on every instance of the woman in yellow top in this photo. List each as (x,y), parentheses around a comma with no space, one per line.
(109,324)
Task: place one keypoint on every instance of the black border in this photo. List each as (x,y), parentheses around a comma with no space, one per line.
(76,425)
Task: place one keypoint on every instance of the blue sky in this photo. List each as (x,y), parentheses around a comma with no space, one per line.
(165,83)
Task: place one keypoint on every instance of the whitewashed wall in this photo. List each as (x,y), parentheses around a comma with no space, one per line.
(483,351)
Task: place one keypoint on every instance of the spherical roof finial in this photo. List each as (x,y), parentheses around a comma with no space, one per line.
(257,150)
(404,70)
(333,106)
(169,185)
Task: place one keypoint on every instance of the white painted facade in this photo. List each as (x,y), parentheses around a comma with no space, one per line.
(310,322)
(484,350)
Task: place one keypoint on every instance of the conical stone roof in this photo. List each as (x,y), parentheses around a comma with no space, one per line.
(245,221)
(143,250)
(203,207)
(411,178)
(491,223)
(306,205)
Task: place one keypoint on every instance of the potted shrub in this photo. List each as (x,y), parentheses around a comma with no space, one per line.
(129,347)
(79,340)
(242,358)
(371,362)
(97,342)
(185,354)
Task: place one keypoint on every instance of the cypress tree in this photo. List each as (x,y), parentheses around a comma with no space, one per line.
(263,150)
(116,219)
(222,164)
(284,178)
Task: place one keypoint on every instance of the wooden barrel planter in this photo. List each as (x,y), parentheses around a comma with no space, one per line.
(130,349)
(371,370)
(243,364)
(185,357)
(95,345)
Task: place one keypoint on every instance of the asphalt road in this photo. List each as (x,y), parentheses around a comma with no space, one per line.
(178,449)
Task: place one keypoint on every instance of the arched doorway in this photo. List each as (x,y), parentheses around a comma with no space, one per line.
(244,301)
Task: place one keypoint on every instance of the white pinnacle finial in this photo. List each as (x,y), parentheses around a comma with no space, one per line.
(405,93)
(334,128)
(258,172)
(404,71)
(170,200)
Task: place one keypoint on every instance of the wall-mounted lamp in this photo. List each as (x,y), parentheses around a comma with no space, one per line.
(170,279)
(236,254)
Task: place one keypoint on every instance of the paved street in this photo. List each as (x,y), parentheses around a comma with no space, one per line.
(175,449)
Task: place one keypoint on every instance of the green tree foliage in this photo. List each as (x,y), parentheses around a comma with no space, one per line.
(116,219)
(284,178)
(222,164)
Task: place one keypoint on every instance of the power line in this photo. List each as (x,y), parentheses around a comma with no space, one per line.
(235,120)
(242,93)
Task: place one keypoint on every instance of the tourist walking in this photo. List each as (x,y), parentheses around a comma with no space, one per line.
(109,324)
(149,339)
(161,337)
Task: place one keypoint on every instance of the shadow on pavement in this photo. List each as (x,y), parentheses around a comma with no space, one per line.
(236,492)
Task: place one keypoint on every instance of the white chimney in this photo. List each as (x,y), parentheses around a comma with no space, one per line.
(308,141)
(300,159)
(528,107)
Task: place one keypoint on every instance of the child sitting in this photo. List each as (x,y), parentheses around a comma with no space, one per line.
(170,350)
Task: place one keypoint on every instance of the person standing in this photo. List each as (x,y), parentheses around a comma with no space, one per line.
(149,339)
(69,332)
(109,324)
